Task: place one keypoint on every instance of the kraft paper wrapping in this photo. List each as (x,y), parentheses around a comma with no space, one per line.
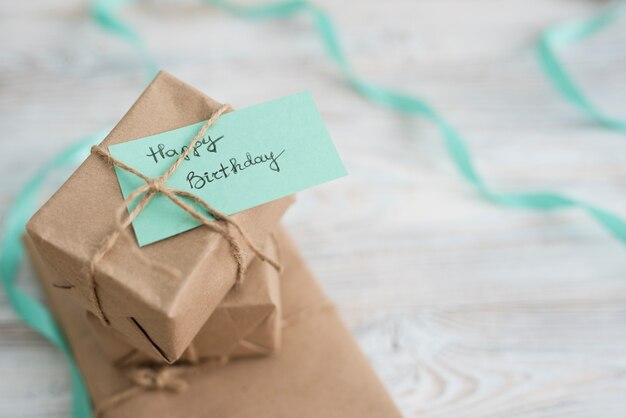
(246,323)
(140,300)
(319,372)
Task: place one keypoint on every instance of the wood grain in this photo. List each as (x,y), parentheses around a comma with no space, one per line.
(465,309)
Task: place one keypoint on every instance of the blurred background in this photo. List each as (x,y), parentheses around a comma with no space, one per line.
(465,308)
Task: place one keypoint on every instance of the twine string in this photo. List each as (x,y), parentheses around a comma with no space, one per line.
(171,378)
(145,379)
(158,185)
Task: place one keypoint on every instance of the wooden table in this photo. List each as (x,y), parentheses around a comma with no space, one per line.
(466,309)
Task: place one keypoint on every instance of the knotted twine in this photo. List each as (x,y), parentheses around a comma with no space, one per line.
(171,378)
(164,378)
(218,222)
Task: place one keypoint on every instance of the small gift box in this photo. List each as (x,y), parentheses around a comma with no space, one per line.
(319,371)
(246,323)
(158,296)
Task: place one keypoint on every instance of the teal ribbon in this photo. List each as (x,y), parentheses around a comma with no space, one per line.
(455,144)
(104,12)
(29,309)
(562,35)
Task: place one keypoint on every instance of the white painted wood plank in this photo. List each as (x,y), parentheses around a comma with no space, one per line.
(466,309)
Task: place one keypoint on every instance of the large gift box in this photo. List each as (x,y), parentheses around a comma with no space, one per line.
(319,371)
(156,311)
(246,323)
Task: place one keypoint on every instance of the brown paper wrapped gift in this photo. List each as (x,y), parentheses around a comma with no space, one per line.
(155,310)
(246,323)
(319,372)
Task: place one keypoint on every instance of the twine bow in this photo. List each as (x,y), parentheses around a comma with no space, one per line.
(165,378)
(145,379)
(171,378)
(158,185)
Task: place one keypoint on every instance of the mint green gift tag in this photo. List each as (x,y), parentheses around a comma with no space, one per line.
(247,158)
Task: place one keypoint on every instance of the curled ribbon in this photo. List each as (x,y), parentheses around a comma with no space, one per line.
(454,141)
(104,12)
(564,34)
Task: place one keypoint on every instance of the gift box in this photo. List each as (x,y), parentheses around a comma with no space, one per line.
(155,310)
(246,323)
(319,371)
